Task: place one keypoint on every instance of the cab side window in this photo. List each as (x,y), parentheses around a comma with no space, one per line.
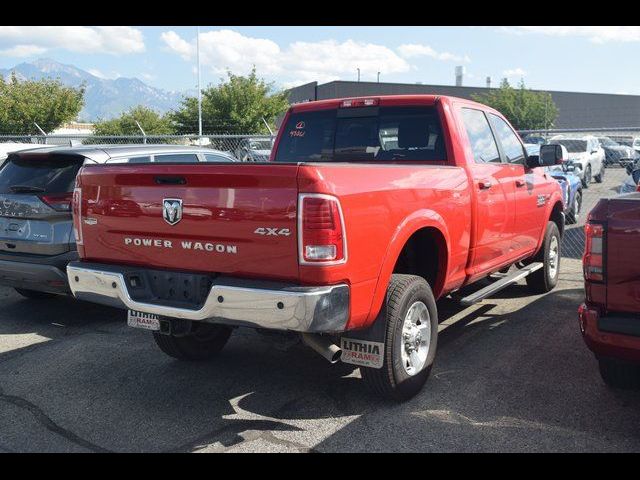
(480,136)
(511,146)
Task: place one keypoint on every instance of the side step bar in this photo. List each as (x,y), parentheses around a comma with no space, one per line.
(500,284)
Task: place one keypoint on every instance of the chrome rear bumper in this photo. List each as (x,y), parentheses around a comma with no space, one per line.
(230,301)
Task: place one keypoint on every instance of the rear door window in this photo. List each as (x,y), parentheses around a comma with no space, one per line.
(480,136)
(46,174)
(367,134)
(212,157)
(176,158)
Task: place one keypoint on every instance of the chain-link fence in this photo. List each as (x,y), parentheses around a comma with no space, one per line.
(249,148)
(599,162)
(598,158)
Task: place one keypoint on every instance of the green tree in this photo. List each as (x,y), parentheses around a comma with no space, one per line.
(236,105)
(524,108)
(151,122)
(46,102)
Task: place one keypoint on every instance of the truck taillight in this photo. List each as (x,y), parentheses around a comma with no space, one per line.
(593,260)
(359,102)
(321,236)
(60,202)
(76,205)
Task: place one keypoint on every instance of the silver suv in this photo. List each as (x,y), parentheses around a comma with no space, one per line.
(36,186)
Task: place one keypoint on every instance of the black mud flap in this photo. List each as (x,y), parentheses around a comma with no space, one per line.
(365,348)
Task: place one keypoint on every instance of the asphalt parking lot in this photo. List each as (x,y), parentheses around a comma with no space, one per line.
(512,374)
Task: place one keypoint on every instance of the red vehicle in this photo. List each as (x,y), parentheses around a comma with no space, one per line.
(610,316)
(367,212)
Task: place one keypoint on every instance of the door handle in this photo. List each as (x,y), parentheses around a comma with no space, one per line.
(520,183)
(484,184)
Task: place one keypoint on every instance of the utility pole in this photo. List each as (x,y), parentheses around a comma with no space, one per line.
(378,77)
(358,74)
(144,135)
(199,89)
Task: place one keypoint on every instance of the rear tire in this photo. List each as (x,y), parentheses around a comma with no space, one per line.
(600,177)
(34,294)
(411,337)
(544,279)
(205,342)
(619,374)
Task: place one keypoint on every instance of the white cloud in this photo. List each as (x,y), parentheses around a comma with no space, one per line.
(597,34)
(22,51)
(514,72)
(412,50)
(297,63)
(38,39)
(176,44)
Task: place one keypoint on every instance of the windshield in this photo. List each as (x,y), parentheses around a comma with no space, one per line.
(573,146)
(607,142)
(363,134)
(39,173)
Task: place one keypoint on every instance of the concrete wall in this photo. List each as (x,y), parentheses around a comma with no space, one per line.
(576,110)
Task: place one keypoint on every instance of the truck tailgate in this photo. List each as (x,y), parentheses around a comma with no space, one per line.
(623,261)
(237,219)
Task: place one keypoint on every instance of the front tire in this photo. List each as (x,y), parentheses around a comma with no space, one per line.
(203,343)
(34,294)
(574,215)
(546,278)
(619,374)
(586,178)
(411,337)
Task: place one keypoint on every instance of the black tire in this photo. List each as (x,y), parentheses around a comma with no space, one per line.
(619,374)
(586,178)
(543,280)
(205,342)
(34,294)
(600,177)
(392,381)
(574,215)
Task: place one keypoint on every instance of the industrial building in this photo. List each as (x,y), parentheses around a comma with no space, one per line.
(576,109)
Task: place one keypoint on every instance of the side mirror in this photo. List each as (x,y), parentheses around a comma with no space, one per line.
(636,176)
(550,154)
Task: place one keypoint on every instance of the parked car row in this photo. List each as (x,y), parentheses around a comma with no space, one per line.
(569,182)
(367,212)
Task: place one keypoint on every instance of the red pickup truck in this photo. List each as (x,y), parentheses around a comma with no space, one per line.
(610,316)
(368,210)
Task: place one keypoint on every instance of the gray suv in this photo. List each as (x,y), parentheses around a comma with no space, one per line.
(36,187)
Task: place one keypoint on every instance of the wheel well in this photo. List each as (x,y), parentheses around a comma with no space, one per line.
(425,254)
(557,217)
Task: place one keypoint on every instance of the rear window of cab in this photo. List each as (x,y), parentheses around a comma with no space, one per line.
(365,134)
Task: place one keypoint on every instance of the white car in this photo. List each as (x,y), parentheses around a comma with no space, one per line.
(586,157)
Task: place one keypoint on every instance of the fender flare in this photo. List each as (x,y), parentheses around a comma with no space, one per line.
(418,220)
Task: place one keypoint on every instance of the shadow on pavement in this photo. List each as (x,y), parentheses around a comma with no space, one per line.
(516,381)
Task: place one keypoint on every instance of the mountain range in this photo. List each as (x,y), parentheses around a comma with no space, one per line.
(104,98)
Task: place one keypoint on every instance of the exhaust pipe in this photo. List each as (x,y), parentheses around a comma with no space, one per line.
(323,345)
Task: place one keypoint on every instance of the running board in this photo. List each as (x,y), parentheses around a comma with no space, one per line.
(500,284)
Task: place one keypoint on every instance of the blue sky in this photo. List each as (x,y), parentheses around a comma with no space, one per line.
(588,59)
